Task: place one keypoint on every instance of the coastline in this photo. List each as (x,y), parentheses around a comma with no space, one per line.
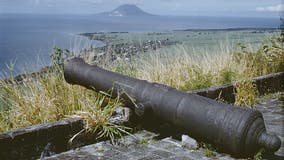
(123,45)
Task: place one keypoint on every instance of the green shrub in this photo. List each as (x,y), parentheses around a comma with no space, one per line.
(197,79)
(269,58)
(227,76)
(59,55)
(245,93)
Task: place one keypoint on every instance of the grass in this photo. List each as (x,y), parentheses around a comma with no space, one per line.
(209,150)
(258,155)
(48,97)
(246,93)
(144,142)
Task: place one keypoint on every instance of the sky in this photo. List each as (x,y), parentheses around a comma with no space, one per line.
(236,8)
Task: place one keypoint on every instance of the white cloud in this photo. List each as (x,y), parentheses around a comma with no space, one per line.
(276,8)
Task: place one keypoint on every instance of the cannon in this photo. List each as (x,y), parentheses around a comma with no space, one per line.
(236,130)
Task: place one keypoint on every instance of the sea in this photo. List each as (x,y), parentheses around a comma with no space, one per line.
(27,40)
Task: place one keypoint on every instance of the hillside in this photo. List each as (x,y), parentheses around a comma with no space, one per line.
(125,11)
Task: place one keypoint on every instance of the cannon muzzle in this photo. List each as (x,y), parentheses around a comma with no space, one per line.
(236,130)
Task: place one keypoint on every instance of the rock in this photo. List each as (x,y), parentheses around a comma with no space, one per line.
(141,145)
(121,116)
(188,142)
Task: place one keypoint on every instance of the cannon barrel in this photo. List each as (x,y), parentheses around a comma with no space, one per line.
(236,130)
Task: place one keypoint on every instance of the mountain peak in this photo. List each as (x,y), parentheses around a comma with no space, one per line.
(128,6)
(128,10)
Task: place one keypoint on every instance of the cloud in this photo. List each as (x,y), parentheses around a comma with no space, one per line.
(276,8)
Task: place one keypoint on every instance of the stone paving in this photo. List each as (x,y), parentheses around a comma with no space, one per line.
(140,146)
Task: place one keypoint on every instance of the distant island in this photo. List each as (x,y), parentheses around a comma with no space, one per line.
(126,10)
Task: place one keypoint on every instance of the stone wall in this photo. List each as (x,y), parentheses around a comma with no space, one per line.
(270,83)
(30,142)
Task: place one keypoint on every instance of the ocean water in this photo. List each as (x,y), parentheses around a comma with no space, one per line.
(27,40)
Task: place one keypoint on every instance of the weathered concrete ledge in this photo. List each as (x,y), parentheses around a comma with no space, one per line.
(30,142)
(140,146)
(270,83)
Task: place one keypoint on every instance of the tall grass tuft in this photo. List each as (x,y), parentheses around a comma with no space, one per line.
(49,98)
(246,93)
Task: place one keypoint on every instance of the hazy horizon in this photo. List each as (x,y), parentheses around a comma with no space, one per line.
(218,8)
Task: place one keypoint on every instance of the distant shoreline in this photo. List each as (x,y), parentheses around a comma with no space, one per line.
(230,29)
(193,29)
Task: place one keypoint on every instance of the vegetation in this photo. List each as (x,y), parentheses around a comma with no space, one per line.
(47,97)
(258,155)
(144,141)
(268,58)
(209,150)
(188,69)
(246,93)
(59,55)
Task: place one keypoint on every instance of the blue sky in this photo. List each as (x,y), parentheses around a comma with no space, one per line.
(242,8)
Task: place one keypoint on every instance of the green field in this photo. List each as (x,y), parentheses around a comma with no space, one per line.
(204,40)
